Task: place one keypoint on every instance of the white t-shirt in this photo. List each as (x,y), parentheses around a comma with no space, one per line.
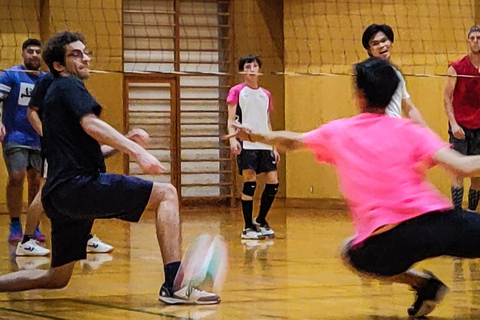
(253,106)
(394,108)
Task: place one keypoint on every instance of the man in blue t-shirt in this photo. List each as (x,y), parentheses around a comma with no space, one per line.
(20,142)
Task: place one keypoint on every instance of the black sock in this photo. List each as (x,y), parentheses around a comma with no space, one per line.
(473,197)
(247,207)
(13,220)
(268,196)
(171,271)
(457,197)
(26,237)
(90,236)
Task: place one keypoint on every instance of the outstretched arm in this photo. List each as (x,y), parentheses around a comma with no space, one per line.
(458,163)
(284,140)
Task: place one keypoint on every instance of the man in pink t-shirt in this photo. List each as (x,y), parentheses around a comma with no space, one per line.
(400,218)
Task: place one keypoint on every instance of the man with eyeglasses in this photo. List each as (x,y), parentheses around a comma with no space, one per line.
(78,190)
(20,142)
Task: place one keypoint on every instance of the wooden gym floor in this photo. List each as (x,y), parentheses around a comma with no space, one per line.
(297,275)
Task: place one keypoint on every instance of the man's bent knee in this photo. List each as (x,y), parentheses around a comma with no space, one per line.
(161,192)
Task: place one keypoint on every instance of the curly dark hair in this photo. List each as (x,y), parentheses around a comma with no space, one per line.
(56,47)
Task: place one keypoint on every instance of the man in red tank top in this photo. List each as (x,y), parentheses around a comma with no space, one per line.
(462,104)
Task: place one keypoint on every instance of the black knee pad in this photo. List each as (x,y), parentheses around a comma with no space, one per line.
(249,188)
(271,189)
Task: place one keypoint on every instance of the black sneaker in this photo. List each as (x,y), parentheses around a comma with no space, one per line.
(252,233)
(264,229)
(427,296)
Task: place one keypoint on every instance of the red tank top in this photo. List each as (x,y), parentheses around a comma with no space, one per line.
(466,97)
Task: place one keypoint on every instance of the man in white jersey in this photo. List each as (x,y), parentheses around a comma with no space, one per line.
(250,104)
(377,40)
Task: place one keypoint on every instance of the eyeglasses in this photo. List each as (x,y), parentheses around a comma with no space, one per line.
(78,54)
(32,51)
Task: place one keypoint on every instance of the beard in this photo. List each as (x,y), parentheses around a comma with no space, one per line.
(33,65)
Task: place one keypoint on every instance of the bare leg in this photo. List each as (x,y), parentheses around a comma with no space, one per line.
(34,213)
(457,182)
(164,201)
(271,177)
(33,179)
(15,193)
(54,278)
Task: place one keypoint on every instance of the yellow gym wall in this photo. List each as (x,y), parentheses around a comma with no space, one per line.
(323,36)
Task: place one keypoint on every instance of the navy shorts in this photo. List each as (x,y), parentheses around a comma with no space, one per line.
(259,161)
(73,206)
(453,233)
(470,146)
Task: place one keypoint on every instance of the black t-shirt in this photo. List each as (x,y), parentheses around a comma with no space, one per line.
(38,94)
(70,150)
(36,99)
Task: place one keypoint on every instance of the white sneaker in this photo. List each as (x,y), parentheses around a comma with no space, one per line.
(31,248)
(95,245)
(252,234)
(187,295)
(264,229)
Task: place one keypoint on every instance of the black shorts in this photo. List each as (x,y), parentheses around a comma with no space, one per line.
(257,160)
(451,233)
(76,203)
(470,146)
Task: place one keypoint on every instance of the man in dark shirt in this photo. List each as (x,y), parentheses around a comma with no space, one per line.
(29,245)
(78,190)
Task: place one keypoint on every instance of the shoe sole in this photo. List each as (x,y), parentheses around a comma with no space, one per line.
(31,254)
(430,305)
(93,251)
(249,238)
(269,236)
(176,301)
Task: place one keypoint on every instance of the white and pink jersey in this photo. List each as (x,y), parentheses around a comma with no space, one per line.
(253,106)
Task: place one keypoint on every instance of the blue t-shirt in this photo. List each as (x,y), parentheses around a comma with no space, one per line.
(18,86)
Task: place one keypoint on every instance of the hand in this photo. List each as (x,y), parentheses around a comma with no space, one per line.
(235,146)
(457,131)
(277,156)
(2,132)
(149,164)
(139,136)
(243,133)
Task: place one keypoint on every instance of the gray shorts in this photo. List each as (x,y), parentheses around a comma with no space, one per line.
(19,158)
(470,146)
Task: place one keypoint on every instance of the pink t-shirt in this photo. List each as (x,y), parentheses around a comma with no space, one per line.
(380,162)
